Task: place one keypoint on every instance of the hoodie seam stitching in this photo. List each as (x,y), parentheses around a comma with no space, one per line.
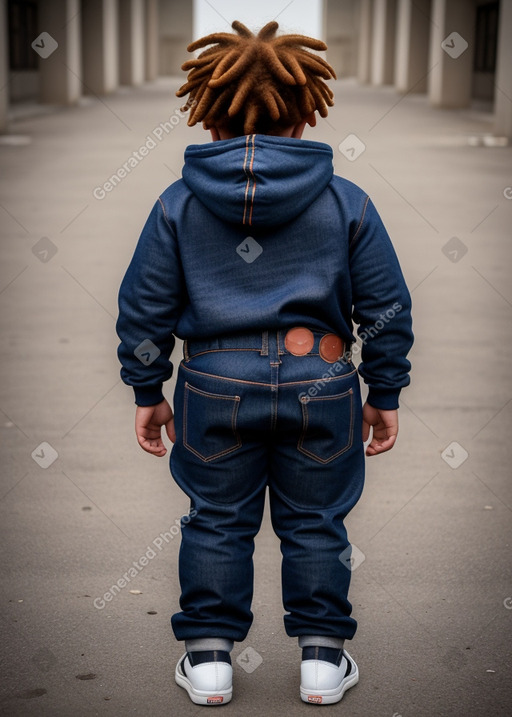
(245,172)
(361,221)
(248,171)
(164,213)
(253,178)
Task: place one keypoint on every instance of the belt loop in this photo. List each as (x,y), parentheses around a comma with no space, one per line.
(264,343)
(280,344)
(185,350)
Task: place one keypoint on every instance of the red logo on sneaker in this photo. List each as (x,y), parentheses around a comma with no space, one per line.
(217,700)
(317,699)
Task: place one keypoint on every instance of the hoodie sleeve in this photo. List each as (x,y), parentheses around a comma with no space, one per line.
(149,306)
(382,310)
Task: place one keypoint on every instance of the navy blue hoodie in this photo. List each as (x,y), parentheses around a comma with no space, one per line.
(259,234)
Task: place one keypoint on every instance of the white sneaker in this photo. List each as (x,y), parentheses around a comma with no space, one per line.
(207,676)
(325,675)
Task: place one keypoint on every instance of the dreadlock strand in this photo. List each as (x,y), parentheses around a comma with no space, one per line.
(223,65)
(300,41)
(283,110)
(235,71)
(202,71)
(251,119)
(330,95)
(219,38)
(314,70)
(317,64)
(188,104)
(270,103)
(319,100)
(306,101)
(203,106)
(289,61)
(241,95)
(327,93)
(267,33)
(275,64)
(204,58)
(242,30)
(189,87)
(201,100)
(197,75)
(329,99)
(217,109)
(195,92)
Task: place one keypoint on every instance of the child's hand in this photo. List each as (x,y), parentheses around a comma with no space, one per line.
(385,429)
(148,427)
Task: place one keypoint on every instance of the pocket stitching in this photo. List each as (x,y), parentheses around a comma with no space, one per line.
(234,414)
(300,444)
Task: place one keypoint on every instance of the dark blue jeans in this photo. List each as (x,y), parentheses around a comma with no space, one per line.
(250,415)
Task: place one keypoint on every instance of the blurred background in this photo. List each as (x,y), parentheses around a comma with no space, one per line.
(107,43)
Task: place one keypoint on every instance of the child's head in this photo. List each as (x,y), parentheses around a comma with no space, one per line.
(256,84)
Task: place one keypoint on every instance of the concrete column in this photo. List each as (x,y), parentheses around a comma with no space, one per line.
(60,71)
(131,42)
(451,53)
(4,67)
(176,20)
(341,23)
(100,54)
(151,39)
(412,46)
(384,40)
(364,64)
(503,94)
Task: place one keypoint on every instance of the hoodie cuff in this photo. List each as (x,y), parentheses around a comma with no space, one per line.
(148,395)
(385,400)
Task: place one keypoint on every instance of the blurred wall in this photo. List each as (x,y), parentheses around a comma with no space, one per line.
(176,21)
(341,32)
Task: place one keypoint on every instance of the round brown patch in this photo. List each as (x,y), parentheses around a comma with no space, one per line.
(331,348)
(299,341)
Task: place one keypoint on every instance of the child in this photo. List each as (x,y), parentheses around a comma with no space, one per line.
(260,258)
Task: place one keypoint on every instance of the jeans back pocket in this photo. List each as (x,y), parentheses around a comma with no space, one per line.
(327,426)
(209,423)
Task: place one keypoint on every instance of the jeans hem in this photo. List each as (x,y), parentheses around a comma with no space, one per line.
(208,643)
(321,641)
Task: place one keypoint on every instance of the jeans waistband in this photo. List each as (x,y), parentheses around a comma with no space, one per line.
(264,342)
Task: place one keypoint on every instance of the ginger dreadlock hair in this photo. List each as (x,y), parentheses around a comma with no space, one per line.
(250,83)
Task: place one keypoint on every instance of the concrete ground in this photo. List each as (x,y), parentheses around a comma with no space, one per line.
(432,584)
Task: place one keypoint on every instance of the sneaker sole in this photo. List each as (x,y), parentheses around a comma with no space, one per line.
(201,697)
(329,697)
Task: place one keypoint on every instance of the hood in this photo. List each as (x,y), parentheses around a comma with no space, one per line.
(258,180)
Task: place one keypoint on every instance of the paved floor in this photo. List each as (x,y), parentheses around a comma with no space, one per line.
(432,588)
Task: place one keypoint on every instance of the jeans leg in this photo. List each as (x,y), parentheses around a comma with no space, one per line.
(216,568)
(316,475)
(315,582)
(227,493)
